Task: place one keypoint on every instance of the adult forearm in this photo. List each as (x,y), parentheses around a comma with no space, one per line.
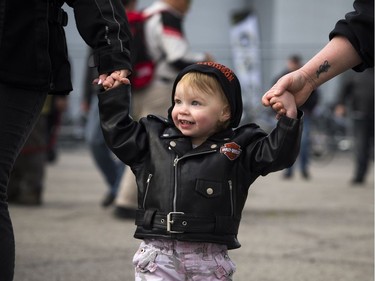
(336,57)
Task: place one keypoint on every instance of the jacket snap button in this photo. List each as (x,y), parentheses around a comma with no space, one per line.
(173,144)
(184,223)
(210,191)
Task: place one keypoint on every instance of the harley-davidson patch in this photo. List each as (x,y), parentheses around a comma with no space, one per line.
(231,150)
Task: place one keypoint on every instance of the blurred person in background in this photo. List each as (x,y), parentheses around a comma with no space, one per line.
(26,183)
(293,63)
(59,104)
(356,100)
(34,63)
(109,166)
(351,45)
(107,163)
(169,48)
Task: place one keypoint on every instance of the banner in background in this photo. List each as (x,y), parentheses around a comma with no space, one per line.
(245,44)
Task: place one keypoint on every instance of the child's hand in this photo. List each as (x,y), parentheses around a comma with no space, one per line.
(113,80)
(284,105)
(297,83)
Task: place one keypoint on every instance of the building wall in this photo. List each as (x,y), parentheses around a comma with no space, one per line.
(286,26)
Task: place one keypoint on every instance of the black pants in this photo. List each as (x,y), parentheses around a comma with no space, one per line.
(19,110)
(363,131)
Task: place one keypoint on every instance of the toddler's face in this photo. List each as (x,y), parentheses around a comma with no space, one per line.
(197,114)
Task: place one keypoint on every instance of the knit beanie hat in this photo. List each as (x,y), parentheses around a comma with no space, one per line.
(228,81)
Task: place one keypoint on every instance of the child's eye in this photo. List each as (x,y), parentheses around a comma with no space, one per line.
(176,101)
(195,102)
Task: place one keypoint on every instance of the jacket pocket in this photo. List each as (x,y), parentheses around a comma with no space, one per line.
(146,192)
(209,189)
(144,258)
(225,266)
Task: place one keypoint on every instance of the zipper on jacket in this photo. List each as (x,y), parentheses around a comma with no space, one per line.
(147,186)
(175,162)
(231,197)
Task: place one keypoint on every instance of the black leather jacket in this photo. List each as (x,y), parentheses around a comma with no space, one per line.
(193,194)
(33,53)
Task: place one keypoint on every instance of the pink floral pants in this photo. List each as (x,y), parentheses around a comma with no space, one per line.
(171,260)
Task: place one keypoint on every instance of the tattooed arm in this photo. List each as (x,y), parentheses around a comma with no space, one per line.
(336,57)
(351,46)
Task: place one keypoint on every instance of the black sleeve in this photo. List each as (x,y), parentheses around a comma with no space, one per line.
(104,27)
(123,135)
(358,28)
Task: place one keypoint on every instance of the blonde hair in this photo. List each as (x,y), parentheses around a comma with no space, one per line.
(209,85)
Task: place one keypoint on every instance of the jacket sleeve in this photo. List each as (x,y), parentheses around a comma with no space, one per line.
(358,28)
(124,136)
(279,149)
(104,27)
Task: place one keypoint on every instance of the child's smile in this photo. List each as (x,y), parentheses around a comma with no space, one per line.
(185,123)
(197,113)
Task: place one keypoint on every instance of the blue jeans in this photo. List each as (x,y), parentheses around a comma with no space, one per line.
(110,167)
(304,153)
(19,111)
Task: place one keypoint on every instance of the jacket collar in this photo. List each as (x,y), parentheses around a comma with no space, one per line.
(172,133)
(182,144)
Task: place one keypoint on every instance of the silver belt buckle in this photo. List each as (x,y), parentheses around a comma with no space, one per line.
(170,222)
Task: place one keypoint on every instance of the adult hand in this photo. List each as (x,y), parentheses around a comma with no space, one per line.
(297,83)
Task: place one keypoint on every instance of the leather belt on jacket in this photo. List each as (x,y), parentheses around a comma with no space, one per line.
(179,222)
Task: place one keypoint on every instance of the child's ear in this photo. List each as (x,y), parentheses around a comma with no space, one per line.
(225,114)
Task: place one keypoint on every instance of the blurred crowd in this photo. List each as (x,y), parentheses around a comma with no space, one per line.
(159,28)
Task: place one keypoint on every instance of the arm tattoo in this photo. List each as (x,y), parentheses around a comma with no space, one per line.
(322,68)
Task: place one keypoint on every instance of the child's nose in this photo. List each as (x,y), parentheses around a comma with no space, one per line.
(184,109)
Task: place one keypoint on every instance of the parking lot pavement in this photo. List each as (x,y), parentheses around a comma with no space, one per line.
(292,230)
